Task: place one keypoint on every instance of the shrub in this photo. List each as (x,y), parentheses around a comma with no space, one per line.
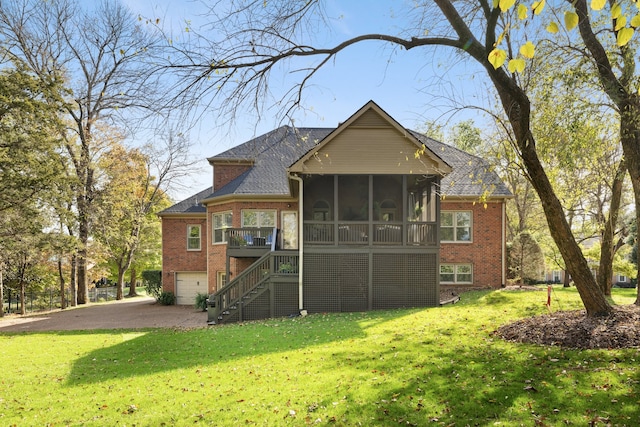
(153,283)
(167,298)
(201,301)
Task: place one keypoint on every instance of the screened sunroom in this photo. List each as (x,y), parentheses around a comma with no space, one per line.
(370,210)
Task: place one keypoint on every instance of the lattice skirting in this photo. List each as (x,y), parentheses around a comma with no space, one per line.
(369,281)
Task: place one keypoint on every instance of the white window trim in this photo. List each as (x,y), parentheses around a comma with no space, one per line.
(189,227)
(221,279)
(454,227)
(455,273)
(275,217)
(213,229)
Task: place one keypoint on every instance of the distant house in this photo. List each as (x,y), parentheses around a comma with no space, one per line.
(365,216)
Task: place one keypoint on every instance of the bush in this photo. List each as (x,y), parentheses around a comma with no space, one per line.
(201,301)
(153,283)
(167,298)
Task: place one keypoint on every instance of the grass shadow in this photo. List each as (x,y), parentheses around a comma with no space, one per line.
(147,352)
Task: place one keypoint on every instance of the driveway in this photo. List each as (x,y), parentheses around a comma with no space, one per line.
(130,313)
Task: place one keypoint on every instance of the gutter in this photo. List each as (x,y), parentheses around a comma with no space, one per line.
(300,240)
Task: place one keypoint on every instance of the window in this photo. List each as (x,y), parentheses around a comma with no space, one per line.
(251,218)
(388,211)
(455,226)
(387,198)
(193,237)
(622,278)
(221,278)
(321,211)
(556,276)
(456,273)
(221,221)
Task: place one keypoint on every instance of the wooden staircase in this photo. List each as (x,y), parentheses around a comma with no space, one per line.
(228,304)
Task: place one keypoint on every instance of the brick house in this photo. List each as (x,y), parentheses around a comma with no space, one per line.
(368,215)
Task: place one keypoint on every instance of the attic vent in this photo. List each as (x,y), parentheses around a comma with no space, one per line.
(370,119)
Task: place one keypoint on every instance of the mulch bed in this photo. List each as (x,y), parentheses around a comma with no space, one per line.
(573,329)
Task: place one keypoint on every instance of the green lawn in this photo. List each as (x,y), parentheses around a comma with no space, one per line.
(438,366)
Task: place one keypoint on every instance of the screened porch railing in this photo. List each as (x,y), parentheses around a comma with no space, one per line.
(382,233)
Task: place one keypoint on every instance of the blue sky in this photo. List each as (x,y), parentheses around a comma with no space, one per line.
(412,86)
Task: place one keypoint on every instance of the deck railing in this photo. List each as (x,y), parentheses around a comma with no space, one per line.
(382,233)
(251,237)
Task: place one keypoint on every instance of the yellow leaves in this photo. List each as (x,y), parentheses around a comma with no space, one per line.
(598,4)
(538,6)
(523,12)
(506,4)
(552,28)
(624,36)
(528,50)
(497,58)
(621,22)
(635,21)
(570,20)
(616,11)
(516,65)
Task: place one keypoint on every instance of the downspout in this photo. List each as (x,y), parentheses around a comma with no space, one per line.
(300,241)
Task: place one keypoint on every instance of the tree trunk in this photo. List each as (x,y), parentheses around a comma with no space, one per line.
(516,105)
(61,279)
(630,138)
(83,236)
(607,247)
(592,297)
(73,290)
(1,294)
(623,94)
(120,284)
(134,279)
(567,280)
(23,297)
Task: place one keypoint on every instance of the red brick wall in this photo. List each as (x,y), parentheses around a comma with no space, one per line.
(485,251)
(225,173)
(175,256)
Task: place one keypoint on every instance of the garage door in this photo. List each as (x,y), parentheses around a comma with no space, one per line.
(188,285)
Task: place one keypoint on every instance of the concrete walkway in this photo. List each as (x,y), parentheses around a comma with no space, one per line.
(130,313)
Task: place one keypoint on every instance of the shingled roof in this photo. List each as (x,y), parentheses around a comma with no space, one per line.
(273,152)
(471,176)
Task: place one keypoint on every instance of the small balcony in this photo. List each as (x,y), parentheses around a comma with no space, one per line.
(250,242)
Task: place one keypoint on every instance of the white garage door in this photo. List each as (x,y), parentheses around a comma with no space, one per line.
(188,285)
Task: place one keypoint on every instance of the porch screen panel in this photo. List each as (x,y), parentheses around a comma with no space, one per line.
(353,198)
(318,198)
(321,291)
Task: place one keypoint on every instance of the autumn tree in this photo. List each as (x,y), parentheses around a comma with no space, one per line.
(130,192)
(102,54)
